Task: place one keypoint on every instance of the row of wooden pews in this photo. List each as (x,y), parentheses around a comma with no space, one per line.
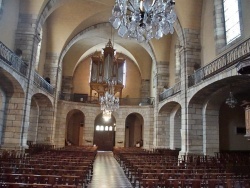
(154,169)
(65,167)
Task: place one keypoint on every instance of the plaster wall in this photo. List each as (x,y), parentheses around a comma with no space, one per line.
(172,64)
(207,33)
(8,23)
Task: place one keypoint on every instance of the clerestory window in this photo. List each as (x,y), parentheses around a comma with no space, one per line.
(231,20)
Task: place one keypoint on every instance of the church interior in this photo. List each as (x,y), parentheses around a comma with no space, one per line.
(158,89)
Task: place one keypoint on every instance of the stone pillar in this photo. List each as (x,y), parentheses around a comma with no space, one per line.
(25,34)
(27,41)
(247,117)
(219,25)
(210,129)
(51,67)
(145,88)
(161,80)
(163,130)
(67,84)
(3,107)
(189,56)
(162,76)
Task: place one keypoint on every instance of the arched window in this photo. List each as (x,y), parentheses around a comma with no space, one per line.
(231,20)
(227,23)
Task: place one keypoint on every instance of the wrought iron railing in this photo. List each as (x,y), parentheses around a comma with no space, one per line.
(12,60)
(137,101)
(43,84)
(170,91)
(223,62)
(83,98)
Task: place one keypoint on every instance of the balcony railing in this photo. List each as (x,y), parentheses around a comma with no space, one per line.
(95,100)
(223,62)
(11,59)
(43,84)
(170,91)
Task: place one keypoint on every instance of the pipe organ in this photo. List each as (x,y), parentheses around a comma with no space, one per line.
(106,69)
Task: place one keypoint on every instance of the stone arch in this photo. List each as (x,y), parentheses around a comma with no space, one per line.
(205,109)
(97,27)
(2,110)
(134,128)
(40,128)
(12,110)
(75,122)
(175,128)
(104,133)
(168,123)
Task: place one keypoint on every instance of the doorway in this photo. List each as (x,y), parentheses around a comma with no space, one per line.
(134,130)
(104,134)
(75,128)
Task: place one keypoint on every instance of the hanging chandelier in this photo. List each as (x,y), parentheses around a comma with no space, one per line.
(109,102)
(143,19)
(231,100)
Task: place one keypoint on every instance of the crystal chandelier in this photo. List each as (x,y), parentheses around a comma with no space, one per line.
(231,101)
(109,102)
(143,19)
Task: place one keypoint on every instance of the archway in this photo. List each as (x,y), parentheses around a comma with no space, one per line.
(40,128)
(75,128)
(104,134)
(2,108)
(232,128)
(134,130)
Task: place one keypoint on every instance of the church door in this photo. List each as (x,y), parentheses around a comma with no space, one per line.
(104,137)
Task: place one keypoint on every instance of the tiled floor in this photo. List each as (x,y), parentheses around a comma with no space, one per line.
(108,173)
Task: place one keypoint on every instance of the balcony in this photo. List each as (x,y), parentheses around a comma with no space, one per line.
(234,57)
(43,84)
(10,59)
(84,98)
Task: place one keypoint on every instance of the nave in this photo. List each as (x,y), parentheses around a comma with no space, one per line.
(85,167)
(107,173)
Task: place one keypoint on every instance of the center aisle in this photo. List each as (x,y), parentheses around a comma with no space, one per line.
(108,173)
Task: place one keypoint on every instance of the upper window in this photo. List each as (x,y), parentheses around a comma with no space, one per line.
(232,20)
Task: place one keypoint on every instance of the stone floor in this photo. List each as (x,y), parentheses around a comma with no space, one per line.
(108,173)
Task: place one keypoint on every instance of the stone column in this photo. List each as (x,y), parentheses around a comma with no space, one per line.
(189,56)
(161,81)
(27,41)
(145,88)
(51,67)
(67,84)
(219,25)
(247,117)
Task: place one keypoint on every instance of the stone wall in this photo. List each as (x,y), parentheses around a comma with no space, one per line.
(91,112)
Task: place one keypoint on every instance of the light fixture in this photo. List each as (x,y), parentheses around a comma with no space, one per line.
(109,102)
(143,19)
(231,100)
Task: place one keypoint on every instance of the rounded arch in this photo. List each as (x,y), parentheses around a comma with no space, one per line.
(212,120)
(40,128)
(12,115)
(123,46)
(2,110)
(75,122)
(168,134)
(104,133)
(134,128)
